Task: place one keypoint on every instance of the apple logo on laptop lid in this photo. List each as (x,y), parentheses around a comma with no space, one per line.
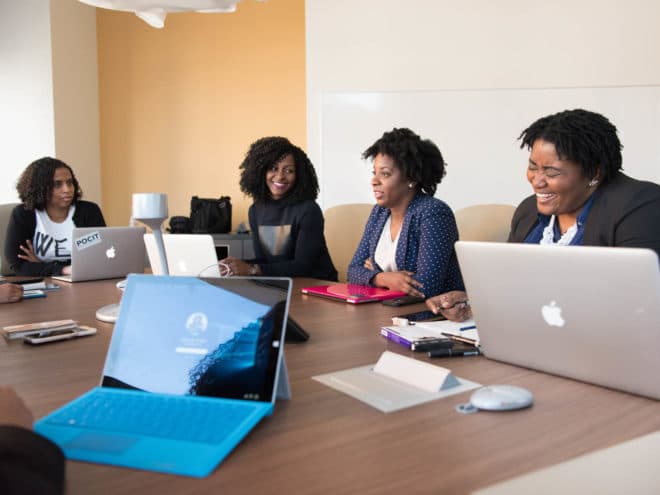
(111,252)
(552,314)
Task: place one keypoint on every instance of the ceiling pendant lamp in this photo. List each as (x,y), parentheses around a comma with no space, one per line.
(153,12)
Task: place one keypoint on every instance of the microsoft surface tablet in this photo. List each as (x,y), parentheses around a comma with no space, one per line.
(193,365)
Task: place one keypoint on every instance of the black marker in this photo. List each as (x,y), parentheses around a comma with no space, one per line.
(454,353)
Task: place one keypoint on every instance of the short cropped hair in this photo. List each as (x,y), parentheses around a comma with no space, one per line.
(419,160)
(583,137)
(35,185)
(268,151)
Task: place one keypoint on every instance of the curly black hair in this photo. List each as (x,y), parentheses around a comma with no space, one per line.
(583,137)
(35,184)
(268,151)
(419,160)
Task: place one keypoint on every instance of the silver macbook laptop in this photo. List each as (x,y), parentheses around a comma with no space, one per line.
(590,313)
(105,252)
(193,366)
(187,254)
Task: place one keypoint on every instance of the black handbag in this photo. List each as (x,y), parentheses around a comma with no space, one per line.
(179,225)
(210,215)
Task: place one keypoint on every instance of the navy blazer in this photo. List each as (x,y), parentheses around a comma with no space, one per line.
(426,246)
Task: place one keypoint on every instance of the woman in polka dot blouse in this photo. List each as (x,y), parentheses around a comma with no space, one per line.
(408,242)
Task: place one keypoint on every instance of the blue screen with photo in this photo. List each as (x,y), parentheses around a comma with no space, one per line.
(183,335)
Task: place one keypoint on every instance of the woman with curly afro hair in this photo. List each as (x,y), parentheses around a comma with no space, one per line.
(408,242)
(286,222)
(38,240)
(580,195)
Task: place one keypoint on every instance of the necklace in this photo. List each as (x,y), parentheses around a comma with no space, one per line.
(564,240)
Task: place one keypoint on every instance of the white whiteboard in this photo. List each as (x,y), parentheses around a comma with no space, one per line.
(476,132)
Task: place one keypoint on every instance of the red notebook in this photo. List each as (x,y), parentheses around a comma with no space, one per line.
(351,293)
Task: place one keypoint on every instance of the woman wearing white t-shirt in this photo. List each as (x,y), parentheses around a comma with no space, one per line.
(38,240)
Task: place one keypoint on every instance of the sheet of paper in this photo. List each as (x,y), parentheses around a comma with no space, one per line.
(436,328)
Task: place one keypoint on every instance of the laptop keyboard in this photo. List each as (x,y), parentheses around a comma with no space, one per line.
(145,414)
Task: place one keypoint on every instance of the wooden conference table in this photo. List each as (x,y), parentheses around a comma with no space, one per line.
(323,441)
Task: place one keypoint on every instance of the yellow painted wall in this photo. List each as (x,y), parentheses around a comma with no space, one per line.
(180,106)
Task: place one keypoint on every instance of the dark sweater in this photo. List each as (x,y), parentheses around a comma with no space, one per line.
(625,213)
(289,241)
(21,227)
(29,463)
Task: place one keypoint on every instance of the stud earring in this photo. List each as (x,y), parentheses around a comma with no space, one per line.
(410,186)
(592,183)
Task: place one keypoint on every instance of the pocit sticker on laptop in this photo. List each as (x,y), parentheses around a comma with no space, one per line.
(87,240)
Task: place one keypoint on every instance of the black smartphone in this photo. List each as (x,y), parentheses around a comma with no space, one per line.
(426,315)
(403,301)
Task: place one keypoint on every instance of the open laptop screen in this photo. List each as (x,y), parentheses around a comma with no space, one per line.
(218,337)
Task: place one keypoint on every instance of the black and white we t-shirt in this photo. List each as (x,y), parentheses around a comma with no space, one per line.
(52,240)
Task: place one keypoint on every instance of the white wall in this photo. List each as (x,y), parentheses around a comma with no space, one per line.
(48,90)
(476,131)
(385,46)
(26,89)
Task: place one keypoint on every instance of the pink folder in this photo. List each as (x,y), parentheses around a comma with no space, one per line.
(351,293)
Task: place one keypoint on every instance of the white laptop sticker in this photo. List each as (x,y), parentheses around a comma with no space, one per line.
(88,240)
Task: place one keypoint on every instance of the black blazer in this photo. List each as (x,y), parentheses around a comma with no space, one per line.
(29,463)
(626,213)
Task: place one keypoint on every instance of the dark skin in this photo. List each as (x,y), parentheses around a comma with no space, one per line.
(561,189)
(393,191)
(280,179)
(10,293)
(13,410)
(560,186)
(57,208)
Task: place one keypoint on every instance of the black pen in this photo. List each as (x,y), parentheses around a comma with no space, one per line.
(454,353)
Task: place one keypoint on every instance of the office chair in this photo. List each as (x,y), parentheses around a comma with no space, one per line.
(344,225)
(5,214)
(489,222)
